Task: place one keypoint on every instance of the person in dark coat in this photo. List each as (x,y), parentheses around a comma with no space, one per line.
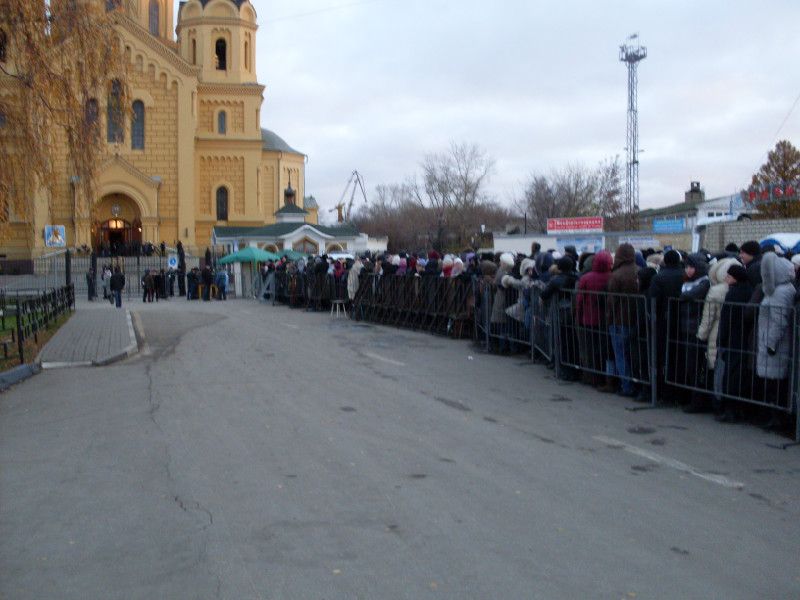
(192,281)
(432,266)
(559,290)
(208,279)
(734,343)
(543,261)
(750,255)
(664,289)
(623,285)
(690,364)
(117,284)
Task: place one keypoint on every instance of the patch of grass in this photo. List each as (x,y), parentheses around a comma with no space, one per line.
(31,346)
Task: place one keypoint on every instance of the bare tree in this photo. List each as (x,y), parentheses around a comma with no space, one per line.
(451,185)
(55,60)
(575,191)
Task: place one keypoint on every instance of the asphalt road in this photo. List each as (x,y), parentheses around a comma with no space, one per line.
(252,451)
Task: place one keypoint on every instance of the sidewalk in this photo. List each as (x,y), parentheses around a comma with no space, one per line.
(96,334)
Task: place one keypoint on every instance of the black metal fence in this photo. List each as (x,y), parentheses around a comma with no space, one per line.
(439,305)
(26,313)
(310,291)
(745,352)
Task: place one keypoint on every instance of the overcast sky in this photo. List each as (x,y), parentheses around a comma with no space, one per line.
(375,85)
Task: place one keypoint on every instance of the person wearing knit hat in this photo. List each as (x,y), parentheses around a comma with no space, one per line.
(732,375)
(738,273)
(498,319)
(708,331)
(458,267)
(750,255)
(558,289)
(732,250)
(447,266)
(672,258)
(565,264)
(664,286)
(751,248)
(690,361)
(507,260)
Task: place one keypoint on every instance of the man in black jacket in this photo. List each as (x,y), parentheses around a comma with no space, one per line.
(666,284)
(117,285)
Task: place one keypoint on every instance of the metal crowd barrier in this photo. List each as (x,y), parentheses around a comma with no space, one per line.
(597,333)
(743,369)
(602,333)
(624,336)
(437,304)
(311,291)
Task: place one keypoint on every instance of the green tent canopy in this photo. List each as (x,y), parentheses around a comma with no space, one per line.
(292,254)
(249,255)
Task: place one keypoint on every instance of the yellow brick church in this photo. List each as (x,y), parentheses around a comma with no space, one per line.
(191,154)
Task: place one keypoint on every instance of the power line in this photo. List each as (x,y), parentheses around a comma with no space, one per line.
(324,10)
(786,118)
(778,131)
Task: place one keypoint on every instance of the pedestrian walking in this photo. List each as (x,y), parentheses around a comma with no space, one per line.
(117,284)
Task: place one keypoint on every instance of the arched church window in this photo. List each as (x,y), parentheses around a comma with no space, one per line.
(222,122)
(247,55)
(3,44)
(116,125)
(221,50)
(222,203)
(153,15)
(137,126)
(194,52)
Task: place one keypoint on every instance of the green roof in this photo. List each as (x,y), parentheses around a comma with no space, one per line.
(279,229)
(291,209)
(272,141)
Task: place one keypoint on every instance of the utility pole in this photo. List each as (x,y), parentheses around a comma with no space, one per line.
(631,53)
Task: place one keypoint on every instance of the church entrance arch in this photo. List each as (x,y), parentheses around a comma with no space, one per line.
(117,227)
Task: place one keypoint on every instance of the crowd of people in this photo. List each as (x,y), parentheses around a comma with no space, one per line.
(722,323)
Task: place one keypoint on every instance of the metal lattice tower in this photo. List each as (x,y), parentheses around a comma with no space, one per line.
(631,53)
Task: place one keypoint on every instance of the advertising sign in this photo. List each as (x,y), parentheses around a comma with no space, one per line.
(582,244)
(55,236)
(575,225)
(669,225)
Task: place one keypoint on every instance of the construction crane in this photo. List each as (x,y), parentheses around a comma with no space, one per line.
(356,182)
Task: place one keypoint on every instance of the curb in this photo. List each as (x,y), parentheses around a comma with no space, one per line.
(16,375)
(127,352)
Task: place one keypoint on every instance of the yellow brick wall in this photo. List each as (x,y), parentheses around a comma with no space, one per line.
(215,171)
(160,154)
(208,110)
(268,192)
